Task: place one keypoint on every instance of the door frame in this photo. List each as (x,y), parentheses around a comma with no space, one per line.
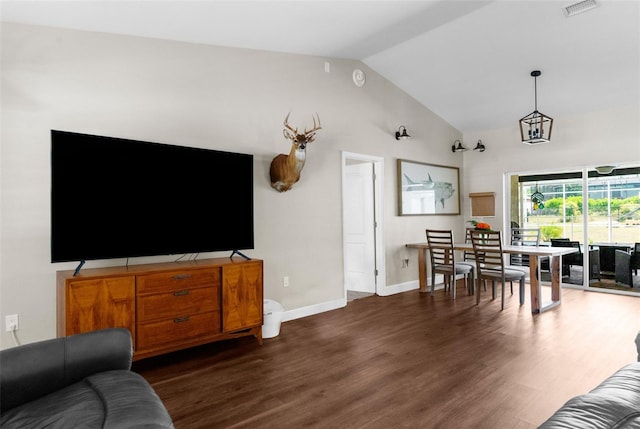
(378,197)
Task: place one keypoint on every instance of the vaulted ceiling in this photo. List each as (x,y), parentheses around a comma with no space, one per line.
(468,61)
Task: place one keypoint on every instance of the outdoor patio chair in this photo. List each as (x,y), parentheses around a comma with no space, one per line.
(635,258)
(623,268)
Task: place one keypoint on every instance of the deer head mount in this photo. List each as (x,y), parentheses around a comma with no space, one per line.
(285,169)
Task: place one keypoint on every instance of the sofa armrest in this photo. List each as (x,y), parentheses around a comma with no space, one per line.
(33,370)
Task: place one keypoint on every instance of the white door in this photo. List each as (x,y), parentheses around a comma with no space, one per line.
(359,228)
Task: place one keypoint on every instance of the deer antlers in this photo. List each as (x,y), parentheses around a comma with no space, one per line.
(306,137)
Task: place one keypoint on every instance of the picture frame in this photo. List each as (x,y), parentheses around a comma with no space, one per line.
(427,189)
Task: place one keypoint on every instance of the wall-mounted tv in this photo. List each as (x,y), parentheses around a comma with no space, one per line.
(119,198)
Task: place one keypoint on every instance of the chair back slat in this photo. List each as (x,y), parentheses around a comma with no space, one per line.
(525,236)
(468,255)
(441,247)
(487,248)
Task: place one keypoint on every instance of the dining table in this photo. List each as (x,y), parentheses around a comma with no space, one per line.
(534,252)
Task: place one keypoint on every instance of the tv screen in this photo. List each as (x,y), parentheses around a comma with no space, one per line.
(116,198)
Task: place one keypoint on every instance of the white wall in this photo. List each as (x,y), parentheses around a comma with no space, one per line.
(203,96)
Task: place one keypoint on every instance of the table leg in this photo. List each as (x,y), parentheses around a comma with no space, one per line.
(422,270)
(555,278)
(534,283)
(554,265)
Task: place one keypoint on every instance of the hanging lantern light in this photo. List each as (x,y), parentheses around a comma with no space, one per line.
(536,127)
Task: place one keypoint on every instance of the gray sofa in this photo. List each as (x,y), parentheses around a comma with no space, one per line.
(78,381)
(615,403)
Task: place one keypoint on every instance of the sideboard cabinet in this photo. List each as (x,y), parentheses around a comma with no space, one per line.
(166,306)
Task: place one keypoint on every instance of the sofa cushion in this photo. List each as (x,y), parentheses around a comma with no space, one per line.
(33,370)
(112,399)
(615,403)
(131,402)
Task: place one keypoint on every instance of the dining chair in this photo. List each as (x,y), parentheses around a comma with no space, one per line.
(443,261)
(490,266)
(519,261)
(468,256)
(523,237)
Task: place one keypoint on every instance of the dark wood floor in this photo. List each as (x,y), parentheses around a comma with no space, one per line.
(404,361)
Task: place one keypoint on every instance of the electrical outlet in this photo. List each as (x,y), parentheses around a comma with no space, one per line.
(285,281)
(405,263)
(11,322)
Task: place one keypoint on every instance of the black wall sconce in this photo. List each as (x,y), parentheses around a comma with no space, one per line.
(458,147)
(401,134)
(480,147)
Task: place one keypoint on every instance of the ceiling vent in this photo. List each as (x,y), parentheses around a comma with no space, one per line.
(579,7)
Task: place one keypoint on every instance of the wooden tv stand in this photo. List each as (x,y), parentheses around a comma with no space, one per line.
(166,306)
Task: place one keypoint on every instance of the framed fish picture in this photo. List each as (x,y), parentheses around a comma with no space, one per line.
(427,189)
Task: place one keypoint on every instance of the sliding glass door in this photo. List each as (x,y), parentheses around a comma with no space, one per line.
(614,224)
(614,207)
(609,221)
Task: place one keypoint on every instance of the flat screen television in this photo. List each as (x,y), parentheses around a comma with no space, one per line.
(117,198)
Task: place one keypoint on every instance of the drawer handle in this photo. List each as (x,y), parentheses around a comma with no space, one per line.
(181,292)
(181,276)
(181,319)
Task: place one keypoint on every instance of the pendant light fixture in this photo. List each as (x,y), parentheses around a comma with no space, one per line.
(536,127)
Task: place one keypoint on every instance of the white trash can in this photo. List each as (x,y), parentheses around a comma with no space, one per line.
(273,311)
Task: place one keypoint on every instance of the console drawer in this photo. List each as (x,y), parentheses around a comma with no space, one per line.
(176,303)
(179,329)
(176,280)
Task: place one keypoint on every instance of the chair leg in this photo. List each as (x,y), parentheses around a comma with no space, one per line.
(522,291)
(433,284)
(452,285)
(493,289)
(502,297)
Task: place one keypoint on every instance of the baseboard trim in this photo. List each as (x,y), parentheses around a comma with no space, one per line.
(298,313)
(399,288)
